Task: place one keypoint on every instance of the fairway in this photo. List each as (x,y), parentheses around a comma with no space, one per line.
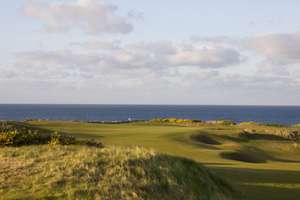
(260,167)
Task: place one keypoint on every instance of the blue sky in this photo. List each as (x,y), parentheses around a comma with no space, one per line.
(150,52)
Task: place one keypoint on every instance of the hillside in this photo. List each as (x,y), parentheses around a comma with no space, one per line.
(82,172)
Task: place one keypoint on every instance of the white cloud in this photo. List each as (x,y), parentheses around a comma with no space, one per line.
(90,16)
(57,66)
(278,49)
(164,54)
(206,57)
(114,64)
(98,45)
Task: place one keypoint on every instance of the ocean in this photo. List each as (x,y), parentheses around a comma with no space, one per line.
(263,114)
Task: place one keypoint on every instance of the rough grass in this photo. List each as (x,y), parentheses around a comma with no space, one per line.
(80,172)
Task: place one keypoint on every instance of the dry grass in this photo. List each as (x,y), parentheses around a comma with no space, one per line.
(80,172)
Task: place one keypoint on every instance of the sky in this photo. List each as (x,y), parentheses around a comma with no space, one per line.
(234,52)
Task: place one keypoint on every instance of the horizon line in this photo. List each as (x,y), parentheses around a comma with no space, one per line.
(131,104)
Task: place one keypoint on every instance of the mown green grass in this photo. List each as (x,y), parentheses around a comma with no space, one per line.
(277,177)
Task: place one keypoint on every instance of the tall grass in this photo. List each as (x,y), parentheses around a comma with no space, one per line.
(80,172)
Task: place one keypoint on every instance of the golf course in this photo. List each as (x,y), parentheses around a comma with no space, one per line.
(259,161)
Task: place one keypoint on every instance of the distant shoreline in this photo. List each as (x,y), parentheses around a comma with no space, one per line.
(287,115)
(189,121)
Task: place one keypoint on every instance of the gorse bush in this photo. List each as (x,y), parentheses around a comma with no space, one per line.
(7,137)
(17,135)
(221,122)
(173,120)
(23,137)
(58,138)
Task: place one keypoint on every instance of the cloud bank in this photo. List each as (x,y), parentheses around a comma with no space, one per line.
(184,62)
(161,59)
(281,49)
(89,16)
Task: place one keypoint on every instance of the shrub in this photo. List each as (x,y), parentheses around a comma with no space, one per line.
(58,138)
(221,122)
(16,137)
(295,137)
(54,140)
(93,143)
(19,134)
(7,137)
(174,120)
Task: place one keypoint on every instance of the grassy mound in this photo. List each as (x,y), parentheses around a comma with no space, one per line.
(206,139)
(244,156)
(80,172)
(261,136)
